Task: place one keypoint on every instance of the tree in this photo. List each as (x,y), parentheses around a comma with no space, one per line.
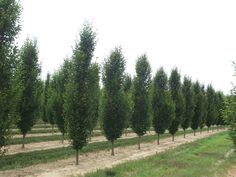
(189,103)
(163,107)
(76,106)
(27,83)
(204,109)
(9,28)
(50,103)
(211,109)
(140,119)
(113,113)
(129,102)
(94,91)
(45,99)
(197,116)
(177,96)
(220,106)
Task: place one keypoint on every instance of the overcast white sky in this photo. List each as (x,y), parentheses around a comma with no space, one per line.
(198,37)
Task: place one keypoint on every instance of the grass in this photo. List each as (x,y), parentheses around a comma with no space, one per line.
(46,130)
(205,157)
(43,156)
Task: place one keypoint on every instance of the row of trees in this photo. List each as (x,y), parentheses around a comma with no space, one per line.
(72,99)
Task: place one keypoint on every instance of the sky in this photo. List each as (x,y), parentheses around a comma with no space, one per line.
(197,37)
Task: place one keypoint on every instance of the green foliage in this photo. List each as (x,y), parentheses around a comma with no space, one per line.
(211,107)
(27,84)
(45,113)
(188,95)
(10,11)
(220,105)
(177,96)
(163,107)
(198,106)
(94,91)
(76,99)
(113,113)
(204,108)
(141,119)
(128,88)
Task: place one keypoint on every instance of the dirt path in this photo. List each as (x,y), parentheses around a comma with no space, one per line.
(231,172)
(13,149)
(37,135)
(90,162)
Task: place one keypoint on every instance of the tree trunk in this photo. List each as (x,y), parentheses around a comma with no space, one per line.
(112,148)
(126,132)
(62,141)
(184,133)
(52,129)
(77,156)
(194,132)
(173,137)
(23,143)
(158,139)
(200,130)
(139,138)
(207,129)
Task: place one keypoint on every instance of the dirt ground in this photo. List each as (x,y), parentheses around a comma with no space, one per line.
(13,149)
(90,162)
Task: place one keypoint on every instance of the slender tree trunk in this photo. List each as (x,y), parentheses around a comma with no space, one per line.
(139,139)
(23,143)
(126,132)
(173,137)
(158,139)
(63,135)
(52,128)
(207,129)
(77,156)
(200,130)
(112,148)
(184,133)
(194,132)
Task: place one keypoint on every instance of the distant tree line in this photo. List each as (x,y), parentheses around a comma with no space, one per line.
(73,99)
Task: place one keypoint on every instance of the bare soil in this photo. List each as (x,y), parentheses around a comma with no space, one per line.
(90,162)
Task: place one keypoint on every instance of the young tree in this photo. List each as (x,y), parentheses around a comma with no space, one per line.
(129,102)
(76,106)
(197,116)
(177,96)
(9,28)
(163,107)
(189,103)
(211,109)
(45,99)
(220,106)
(141,119)
(50,103)
(114,101)
(204,109)
(27,83)
(94,91)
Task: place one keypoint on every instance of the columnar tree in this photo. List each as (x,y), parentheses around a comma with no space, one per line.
(45,99)
(113,114)
(140,119)
(76,106)
(204,109)
(197,116)
(9,28)
(189,103)
(50,103)
(220,106)
(163,107)
(211,109)
(27,83)
(94,93)
(129,102)
(177,96)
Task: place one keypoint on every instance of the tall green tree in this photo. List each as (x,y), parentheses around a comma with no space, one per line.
(177,96)
(50,103)
(163,107)
(76,107)
(45,99)
(197,116)
(9,28)
(204,109)
(94,91)
(128,87)
(220,106)
(141,119)
(211,108)
(114,103)
(27,83)
(189,103)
